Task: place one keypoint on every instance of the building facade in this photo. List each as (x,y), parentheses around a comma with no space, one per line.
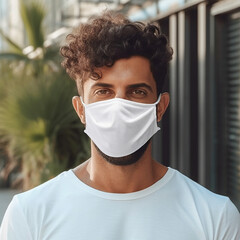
(201,131)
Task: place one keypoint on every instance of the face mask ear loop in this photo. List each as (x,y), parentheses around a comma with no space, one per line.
(159,98)
(82,101)
(82,104)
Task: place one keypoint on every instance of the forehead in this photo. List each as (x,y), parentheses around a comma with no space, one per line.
(125,72)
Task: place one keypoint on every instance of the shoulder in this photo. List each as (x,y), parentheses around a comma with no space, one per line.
(46,192)
(206,202)
(219,217)
(197,191)
(228,224)
(218,214)
(14,224)
(28,211)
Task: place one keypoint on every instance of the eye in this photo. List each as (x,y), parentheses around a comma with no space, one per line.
(139,92)
(102,92)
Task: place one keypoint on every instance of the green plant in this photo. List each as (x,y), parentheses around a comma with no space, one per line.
(40,127)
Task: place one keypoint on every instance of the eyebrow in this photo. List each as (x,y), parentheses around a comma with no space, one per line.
(98,84)
(137,85)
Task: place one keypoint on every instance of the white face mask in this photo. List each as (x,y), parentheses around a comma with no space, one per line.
(120,127)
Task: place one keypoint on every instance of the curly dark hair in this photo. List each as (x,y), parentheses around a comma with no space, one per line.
(105,39)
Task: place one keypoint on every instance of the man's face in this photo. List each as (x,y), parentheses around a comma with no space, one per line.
(130,79)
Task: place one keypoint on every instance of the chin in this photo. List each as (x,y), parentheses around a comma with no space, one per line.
(125,160)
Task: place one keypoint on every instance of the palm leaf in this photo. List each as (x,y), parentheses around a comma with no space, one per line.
(13,56)
(33,14)
(38,122)
(15,47)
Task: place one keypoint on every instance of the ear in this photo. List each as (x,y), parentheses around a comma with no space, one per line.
(79,108)
(162,106)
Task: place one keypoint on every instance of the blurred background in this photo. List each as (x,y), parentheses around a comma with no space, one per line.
(40,134)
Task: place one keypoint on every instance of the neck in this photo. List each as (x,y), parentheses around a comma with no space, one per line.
(104,176)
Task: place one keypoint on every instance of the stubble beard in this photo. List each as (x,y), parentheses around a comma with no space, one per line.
(126,160)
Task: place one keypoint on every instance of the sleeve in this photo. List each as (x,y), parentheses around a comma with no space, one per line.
(14,225)
(229,225)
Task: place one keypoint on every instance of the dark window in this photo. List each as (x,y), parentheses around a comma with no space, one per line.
(232,113)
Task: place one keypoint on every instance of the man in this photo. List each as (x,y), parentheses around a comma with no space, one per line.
(120,192)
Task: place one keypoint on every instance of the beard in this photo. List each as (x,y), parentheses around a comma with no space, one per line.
(125,160)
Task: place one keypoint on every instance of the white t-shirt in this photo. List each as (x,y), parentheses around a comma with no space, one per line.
(174,208)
